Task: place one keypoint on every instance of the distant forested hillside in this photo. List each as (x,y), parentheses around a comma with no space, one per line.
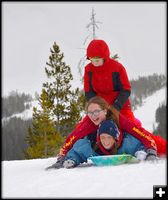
(145,86)
(15,103)
(161,120)
(13,138)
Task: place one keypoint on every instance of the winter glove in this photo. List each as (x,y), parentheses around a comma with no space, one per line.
(58,164)
(151,155)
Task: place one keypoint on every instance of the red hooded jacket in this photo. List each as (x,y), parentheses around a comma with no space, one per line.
(110,81)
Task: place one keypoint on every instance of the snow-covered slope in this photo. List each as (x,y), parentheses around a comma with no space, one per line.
(28,178)
(26,114)
(146,113)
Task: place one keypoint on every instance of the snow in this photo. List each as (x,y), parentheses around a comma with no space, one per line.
(29,179)
(146,113)
(26,114)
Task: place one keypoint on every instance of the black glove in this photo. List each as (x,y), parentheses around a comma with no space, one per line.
(58,164)
(151,155)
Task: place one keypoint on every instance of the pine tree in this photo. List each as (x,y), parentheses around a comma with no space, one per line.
(161,121)
(115,56)
(60,109)
(42,138)
(76,111)
(58,88)
(64,99)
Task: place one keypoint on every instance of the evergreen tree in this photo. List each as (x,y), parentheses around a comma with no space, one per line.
(43,139)
(76,108)
(115,57)
(161,120)
(61,108)
(64,99)
(14,132)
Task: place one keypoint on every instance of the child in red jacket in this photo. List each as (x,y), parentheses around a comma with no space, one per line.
(108,79)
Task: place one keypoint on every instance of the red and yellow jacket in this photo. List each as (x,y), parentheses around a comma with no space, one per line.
(86,127)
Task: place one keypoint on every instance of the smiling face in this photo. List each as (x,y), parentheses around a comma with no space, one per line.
(107,140)
(96,113)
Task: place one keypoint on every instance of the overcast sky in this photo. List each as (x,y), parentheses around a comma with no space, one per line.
(136,31)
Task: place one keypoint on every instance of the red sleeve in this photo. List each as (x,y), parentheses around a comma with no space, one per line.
(84,128)
(137,131)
